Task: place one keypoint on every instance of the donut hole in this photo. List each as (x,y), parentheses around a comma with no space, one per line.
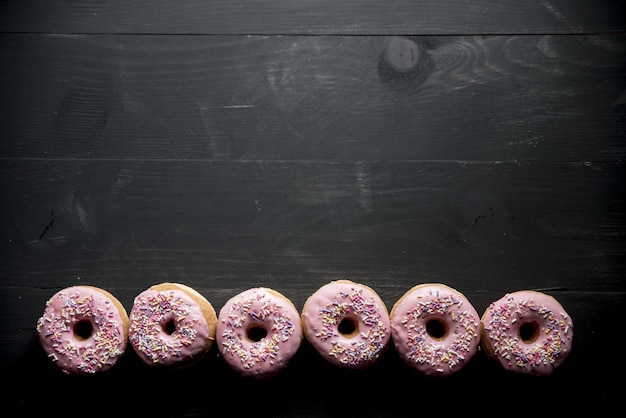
(256,333)
(169,326)
(436,328)
(83,330)
(529,332)
(348,327)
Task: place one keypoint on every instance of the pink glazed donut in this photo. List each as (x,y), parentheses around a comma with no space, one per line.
(347,323)
(435,329)
(527,332)
(258,332)
(84,330)
(171,325)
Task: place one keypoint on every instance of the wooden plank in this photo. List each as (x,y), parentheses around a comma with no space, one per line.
(287,143)
(313,17)
(499,98)
(476,226)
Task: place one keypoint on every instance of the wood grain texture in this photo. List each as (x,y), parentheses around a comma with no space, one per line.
(477,226)
(494,98)
(233,144)
(313,16)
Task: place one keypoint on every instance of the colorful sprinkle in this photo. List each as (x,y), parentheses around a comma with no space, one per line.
(441,356)
(539,356)
(151,312)
(368,345)
(56,330)
(256,307)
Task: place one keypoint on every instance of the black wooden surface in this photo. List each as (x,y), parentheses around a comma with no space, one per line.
(233,144)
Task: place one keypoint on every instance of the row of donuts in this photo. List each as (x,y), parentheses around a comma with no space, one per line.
(433,327)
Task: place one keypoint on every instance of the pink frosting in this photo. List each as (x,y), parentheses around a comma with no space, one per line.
(340,301)
(457,338)
(167,328)
(264,311)
(505,318)
(72,350)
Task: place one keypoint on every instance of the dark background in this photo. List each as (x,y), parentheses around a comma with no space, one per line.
(233,144)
